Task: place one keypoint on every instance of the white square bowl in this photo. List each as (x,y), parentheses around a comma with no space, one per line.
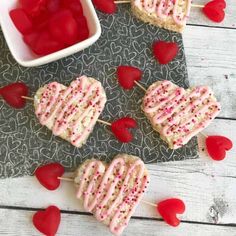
(22,53)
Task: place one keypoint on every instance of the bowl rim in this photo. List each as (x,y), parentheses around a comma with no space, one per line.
(61,53)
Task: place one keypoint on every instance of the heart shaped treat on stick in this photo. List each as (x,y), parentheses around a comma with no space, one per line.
(48,175)
(70,112)
(178,114)
(47,221)
(171,15)
(165,52)
(112,192)
(169,209)
(13,94)
(120,129)
(217,147)
(128,75)
(214,10)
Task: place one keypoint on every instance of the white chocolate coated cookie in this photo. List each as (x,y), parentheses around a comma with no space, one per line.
(179,114)
(112,191)
(70,112)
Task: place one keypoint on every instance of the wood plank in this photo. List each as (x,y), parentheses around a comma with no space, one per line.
(208,188)
(72,224)
(196,16)
(211,60)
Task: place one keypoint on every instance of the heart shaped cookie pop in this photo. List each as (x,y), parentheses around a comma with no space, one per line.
(112,192)
(70,112)
(179,114)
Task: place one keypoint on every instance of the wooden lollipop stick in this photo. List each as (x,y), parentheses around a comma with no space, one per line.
(122,1)
(66,179)
(100,121)
(203,134)
(149,203)
(104,122)
(27,98)
(128,1)
(72,180)
(197,5)
(140,86)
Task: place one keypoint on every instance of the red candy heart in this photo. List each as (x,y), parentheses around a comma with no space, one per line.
(165,51)
(21,21)
(83,28)
(64,28)
(48,175)
(31,38)
(74,5)
(13,93)
(47,221)
(169,208)
(33,7)
(53,5)
(127,75)
(217,146)
(214,10)
(45,44)
(106,6)
(120,129)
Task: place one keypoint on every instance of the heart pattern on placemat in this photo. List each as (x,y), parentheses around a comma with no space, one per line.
(116,30)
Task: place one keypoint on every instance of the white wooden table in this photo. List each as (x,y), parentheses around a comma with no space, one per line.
(208,188)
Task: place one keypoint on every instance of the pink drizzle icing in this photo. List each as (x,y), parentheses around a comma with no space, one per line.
(164,8)
(61,106)
(101,188)
(177,112)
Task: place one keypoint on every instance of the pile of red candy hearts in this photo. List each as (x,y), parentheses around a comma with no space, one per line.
(50,25)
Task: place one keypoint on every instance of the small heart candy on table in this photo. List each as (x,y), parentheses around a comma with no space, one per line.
(169,209)
(120,129)
(127,75)
(217,147)
(165,52)
(47,221)
(12,94)
(214,10)
(106,6)
(48,175)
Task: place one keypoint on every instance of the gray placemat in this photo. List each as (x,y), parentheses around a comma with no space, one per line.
(25,144)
